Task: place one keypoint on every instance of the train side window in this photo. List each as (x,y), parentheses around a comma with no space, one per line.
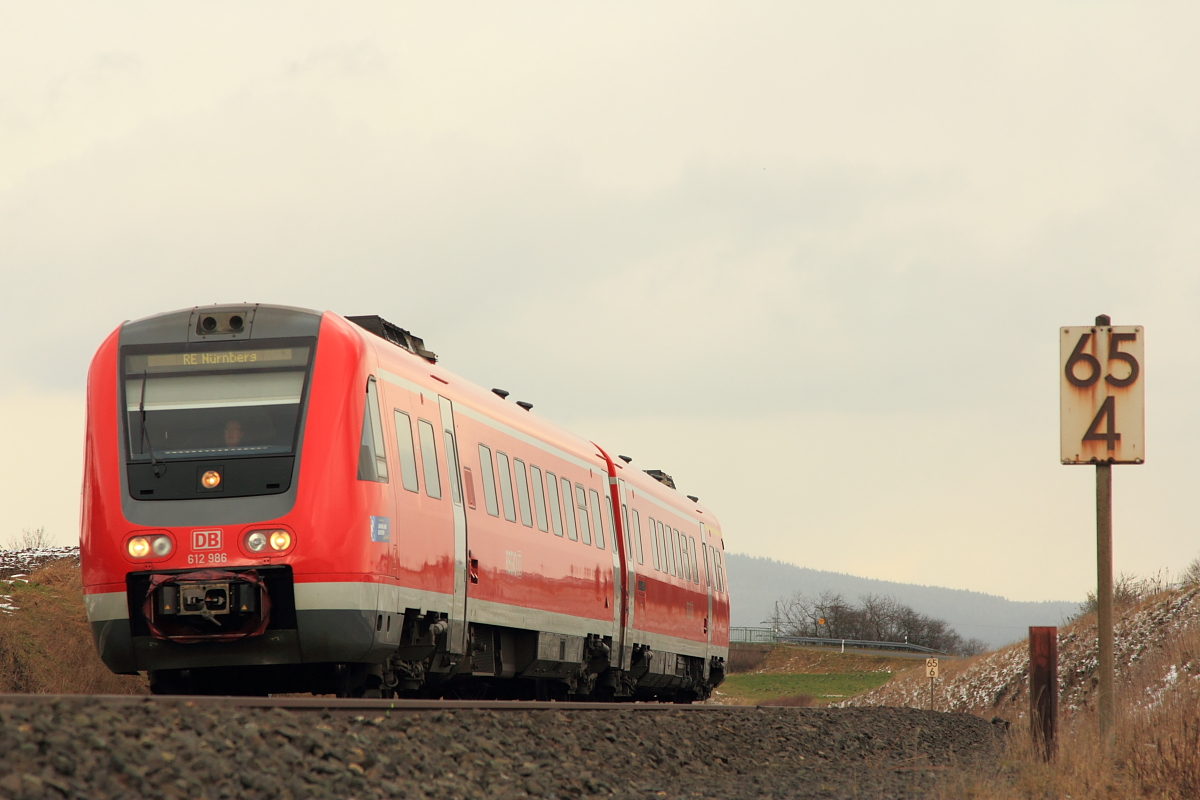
(555,508)
(665,548)
(681,551)
(687,557)
(637,535)
(404,449)
(672,553)
(610,526)
(681,554)
(488,477)
(598,518)
(628,532)
(653,543)
(585,525)
(429,463)
(506,495)
(707,568)
(452,468)
(522,476)
(539,499)
(720,570)
(695,564)
(372,455)
(569,510)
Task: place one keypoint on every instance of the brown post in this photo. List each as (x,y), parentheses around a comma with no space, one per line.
(1043,687)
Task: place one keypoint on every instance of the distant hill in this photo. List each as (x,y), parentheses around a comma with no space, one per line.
(756,583)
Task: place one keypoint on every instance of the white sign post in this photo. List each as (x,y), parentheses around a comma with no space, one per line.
(1103,422)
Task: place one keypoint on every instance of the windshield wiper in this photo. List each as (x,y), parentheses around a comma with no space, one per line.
(145,437)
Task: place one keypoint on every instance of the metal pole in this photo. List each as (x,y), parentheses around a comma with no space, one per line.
(1104,595)
(931,694)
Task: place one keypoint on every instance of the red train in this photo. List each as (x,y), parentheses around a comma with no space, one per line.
(280,500)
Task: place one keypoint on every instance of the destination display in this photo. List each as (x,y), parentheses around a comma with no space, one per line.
(216,359)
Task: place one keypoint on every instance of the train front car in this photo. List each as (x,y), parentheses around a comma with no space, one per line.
(204,497)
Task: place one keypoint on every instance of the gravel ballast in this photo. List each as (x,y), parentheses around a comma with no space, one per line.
(83,747)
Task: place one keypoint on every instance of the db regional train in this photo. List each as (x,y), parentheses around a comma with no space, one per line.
(281,500)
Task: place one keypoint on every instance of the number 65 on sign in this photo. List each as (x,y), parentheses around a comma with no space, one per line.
(1102,395)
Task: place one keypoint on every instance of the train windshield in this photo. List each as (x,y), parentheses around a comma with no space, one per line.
(215,402)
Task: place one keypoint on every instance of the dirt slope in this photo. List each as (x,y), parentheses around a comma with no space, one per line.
(1152,652)
(45,641)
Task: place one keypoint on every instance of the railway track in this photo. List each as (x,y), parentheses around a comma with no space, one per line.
(373,704)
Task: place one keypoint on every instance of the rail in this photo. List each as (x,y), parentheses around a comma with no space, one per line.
(770,636)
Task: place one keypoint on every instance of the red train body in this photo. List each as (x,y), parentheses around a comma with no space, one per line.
(279,500)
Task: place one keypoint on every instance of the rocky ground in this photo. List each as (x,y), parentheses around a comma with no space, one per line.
(81,747)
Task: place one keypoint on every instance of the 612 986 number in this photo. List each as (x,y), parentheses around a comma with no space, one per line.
(207,558)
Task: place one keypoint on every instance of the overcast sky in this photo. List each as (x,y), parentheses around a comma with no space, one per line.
(811,259)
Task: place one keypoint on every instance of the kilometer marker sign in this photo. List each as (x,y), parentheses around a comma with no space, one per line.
(1102,397)
(1102,403)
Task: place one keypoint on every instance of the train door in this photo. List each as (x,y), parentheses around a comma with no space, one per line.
(708,589)
(627,605)
(618,592)
(458,607)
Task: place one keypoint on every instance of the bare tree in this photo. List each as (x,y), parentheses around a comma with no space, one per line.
(875,618)
(35,539)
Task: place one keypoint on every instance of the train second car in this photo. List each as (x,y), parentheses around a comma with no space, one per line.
(283,500)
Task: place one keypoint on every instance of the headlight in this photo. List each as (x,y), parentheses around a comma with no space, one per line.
(146,546)
(257,541)
(210,479)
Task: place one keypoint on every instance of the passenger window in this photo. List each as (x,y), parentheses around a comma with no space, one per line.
(585,525)
(404,449)
(598,518)
(510,512)
(372,456)
(452,468)
(695,565)
(628,532)
(489,480)
(681,554)
(720,570)
(539,498)
(637,535)
(665,548)
(555,508)
(523,491)
(610,528)
(429,463)
(569,510)
(653,543)
(707,569)
(690,567)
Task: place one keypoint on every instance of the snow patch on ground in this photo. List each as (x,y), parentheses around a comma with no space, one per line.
(15,566)
(999,680)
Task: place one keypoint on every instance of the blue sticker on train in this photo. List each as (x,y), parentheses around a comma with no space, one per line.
(380,529)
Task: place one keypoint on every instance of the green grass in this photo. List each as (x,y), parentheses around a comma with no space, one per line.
(757,687)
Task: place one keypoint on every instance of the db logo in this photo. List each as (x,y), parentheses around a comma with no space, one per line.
(206,540)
